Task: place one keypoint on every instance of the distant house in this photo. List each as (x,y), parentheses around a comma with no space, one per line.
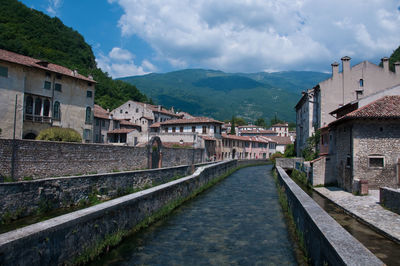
(282,129)
(258,132)
(47,95)
(280,143)
(198,132)
(365,144)
(314,108)
(244,147)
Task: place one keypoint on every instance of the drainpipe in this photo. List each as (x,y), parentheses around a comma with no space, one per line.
(13,140)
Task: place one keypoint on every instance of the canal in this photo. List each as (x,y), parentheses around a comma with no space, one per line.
(238,221)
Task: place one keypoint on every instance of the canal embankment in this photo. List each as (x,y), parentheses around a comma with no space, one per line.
(81,235)
(324,240)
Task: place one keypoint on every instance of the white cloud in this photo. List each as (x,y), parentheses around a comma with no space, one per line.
(119,63)
(237,35)
(53,6)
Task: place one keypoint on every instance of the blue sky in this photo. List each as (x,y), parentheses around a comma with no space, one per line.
(135,37)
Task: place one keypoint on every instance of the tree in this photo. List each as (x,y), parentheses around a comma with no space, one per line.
(59,134)
(233,131)
(311,151)
(290,151)
(261,122)
(239,121)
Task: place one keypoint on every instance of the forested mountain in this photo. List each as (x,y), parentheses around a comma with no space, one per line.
(222,95)
(29,32)
(395,57)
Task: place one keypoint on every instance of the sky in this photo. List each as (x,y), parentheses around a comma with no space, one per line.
(136,37)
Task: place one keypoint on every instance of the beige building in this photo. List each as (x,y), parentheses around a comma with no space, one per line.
(281,129)
(198,132)
(314,108)
(46,95)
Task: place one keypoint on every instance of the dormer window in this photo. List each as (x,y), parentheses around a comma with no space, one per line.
(361,82)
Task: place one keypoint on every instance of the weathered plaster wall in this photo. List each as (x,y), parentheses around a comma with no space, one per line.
(326,242)
(60,240)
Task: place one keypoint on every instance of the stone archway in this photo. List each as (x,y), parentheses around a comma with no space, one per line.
(30,135)
(154,153)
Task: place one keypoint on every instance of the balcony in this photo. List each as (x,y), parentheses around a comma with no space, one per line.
(37,118)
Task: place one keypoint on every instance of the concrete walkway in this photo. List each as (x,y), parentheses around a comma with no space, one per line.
(366,209)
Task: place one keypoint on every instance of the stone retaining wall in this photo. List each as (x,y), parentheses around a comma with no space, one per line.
(390,198)
(288,163)
(62,239)
(27,197)
(40,159)
(326,242)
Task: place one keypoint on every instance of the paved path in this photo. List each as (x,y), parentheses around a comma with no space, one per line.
(366,208)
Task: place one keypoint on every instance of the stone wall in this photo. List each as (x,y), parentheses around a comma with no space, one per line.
(40,159)
(377,138)
(326,242)
(288,163)
(28,197)
(390,198)
(321,173)
(62,239)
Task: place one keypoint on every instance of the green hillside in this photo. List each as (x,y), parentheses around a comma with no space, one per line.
(29,32)
(221,95)
(395,57)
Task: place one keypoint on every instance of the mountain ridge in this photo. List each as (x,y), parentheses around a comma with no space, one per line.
(223,95)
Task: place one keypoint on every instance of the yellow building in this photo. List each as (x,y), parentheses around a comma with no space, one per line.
(45,94)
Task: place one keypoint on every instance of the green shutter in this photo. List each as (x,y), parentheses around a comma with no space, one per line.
(3,71)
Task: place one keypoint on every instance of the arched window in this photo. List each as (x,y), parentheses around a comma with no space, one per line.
(361,83)
(88,118)
(46,107)
(56,111)
(38,106)
(29,105)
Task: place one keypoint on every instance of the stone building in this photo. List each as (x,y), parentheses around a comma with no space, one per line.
(365,144)
(244,147)
(46,95)
(198,132)
(352,83)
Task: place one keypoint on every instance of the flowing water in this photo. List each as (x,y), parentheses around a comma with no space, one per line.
(237,222)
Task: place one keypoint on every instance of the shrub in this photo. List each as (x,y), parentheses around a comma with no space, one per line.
(59,134)
(290,151)
(277,154)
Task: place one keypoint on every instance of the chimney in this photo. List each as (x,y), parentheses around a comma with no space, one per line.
(159,108)
(172,110)
(335,69)
(385,64)
(397,68)
(346,64)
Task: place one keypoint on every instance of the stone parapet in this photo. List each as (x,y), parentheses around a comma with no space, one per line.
(326,242)
(390,198)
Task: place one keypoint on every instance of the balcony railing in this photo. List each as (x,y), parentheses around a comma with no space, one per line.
(37,118)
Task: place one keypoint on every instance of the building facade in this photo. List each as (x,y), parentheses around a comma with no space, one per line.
(352,83)
(43,95)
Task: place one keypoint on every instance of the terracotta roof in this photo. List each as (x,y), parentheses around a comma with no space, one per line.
(254,126)
(99,112)
(245,138)
(36,63)
(387,107)
(158,124)
(126,123)
(195,120)
(147,118)
(280,125)
(265,131)
(281,140)
(208,138)
(121,130)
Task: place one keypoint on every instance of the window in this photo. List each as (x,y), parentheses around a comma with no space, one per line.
(204,129)
(166,130)
(137,110)
(120,111)
(88,118)
(361,83)
(38,106)
(272,145)
(193,128)
(56,111)
(3,71)
(57,87)
(359,94)
(97,121)
(46,107)
(181,129)
(348,160)
(47,85)
(376,162)
(103,123)
(89,94)
(29,105)
(173,129)
(86,134)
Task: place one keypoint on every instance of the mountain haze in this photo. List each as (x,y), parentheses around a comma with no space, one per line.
(221,95)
